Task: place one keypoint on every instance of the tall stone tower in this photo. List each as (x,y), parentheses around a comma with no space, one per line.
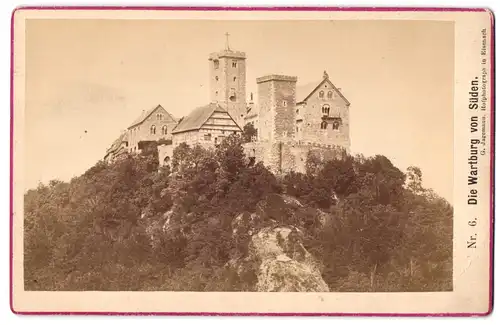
(276,104)
(228,82)
(277,99)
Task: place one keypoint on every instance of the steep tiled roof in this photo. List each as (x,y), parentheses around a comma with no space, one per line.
(145,114)
(304,91)
(117,143)
(196,119)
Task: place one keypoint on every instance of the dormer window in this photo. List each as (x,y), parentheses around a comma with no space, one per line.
(325,109)
(324,125)
(321,94)
(216,64)
(330,95)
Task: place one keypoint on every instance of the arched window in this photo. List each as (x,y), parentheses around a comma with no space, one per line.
(216,64)
(330,95)
(324,125)
(321,94)
(153,129)
(325,109)
(164,130)
(166,161)
(336,124)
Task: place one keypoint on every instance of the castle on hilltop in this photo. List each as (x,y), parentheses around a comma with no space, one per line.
(290,120)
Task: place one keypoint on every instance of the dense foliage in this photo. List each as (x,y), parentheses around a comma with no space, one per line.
(249,132)
(132,226)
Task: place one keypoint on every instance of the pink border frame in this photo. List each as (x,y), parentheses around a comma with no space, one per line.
(393,9)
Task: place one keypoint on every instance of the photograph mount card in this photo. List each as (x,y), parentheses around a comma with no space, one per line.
(252,162)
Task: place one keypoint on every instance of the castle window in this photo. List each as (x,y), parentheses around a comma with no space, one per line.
(208,137)
(284,103)
(216,78)
(336,124)
(234,64)
(166,161)
(153,129)
(216,64)
(234,78)
(330,95)
(321,94)
(232,96)
(164,130)
(324,125)
(297,111)
(325,109)
(216,93)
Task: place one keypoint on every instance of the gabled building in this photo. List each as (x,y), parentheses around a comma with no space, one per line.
(205,125)
(152,125)
(322,114)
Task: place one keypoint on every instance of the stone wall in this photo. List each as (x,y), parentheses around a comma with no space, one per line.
(283,157)
(165,153)
(264,124)
(284,108)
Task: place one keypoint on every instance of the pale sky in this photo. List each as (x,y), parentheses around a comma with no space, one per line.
(87,80)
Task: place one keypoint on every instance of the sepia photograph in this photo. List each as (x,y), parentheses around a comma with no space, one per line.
(245,155)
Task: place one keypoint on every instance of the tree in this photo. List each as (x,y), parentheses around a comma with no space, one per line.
(414,180)
(249,132)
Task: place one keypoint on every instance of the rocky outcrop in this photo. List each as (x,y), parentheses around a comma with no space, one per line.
(285,264)
(275,246)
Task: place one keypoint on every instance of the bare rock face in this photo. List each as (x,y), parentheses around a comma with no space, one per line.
(285,263)
(274,246)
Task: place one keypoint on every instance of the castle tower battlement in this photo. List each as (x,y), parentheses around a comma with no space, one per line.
(276,77)
(227,54)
